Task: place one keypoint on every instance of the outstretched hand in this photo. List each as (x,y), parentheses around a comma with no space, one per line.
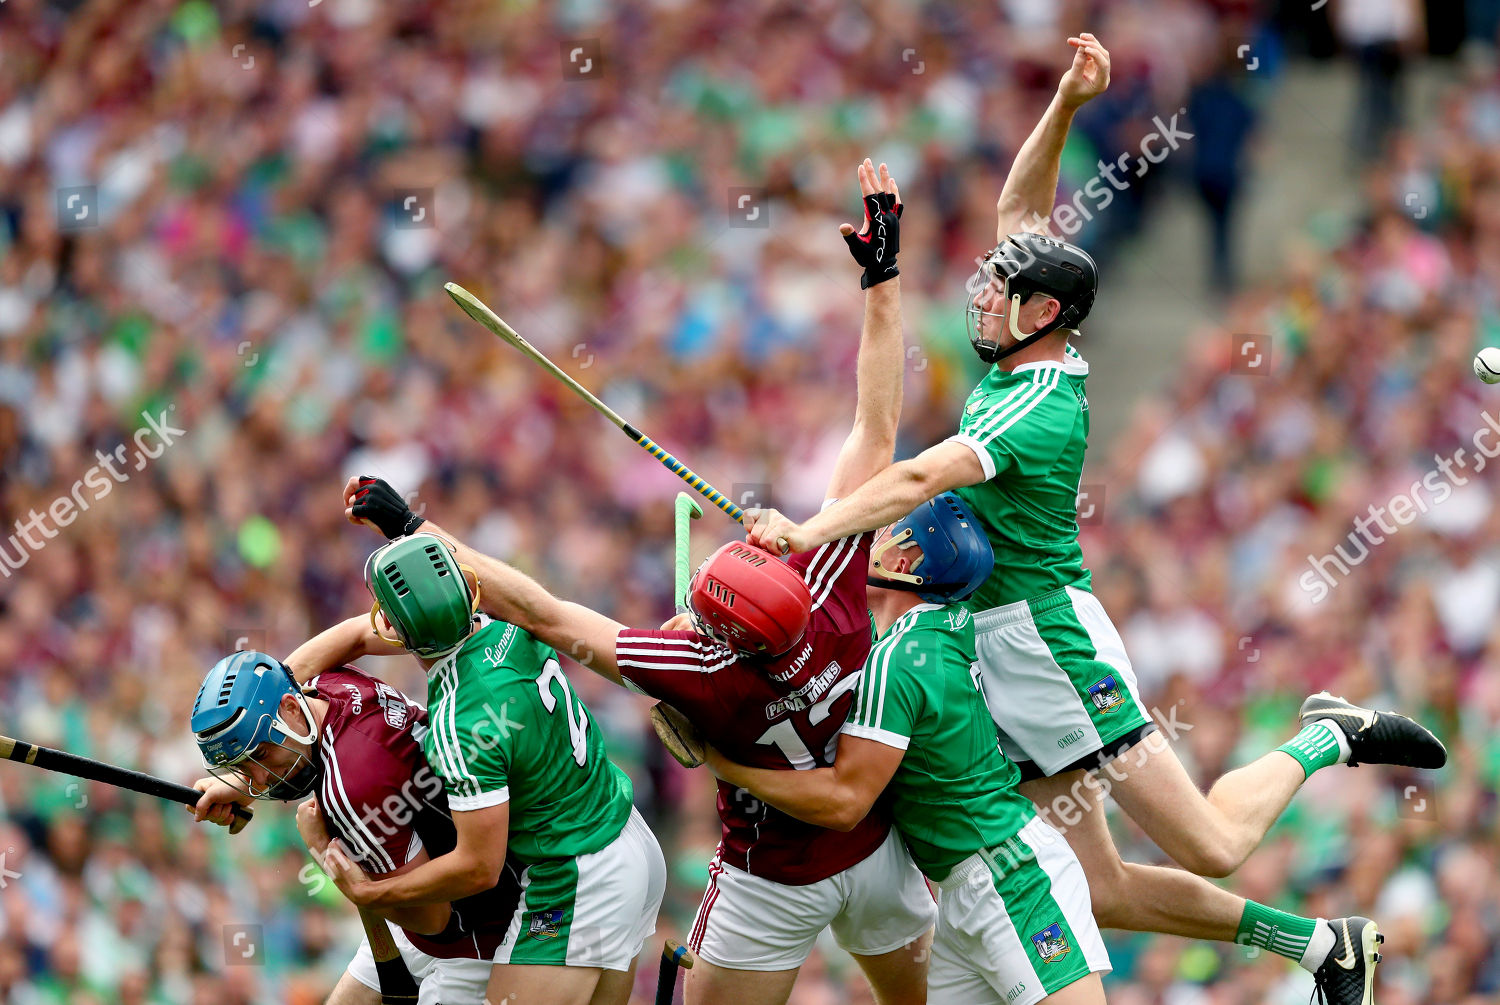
(1088,77)
(375,502)
(875,245)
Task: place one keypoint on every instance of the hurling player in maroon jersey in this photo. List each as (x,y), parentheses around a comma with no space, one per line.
(769,669)
(353,744)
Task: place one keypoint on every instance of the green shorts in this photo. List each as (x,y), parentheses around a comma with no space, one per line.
(1014,924)
(1057,680)
(596,910)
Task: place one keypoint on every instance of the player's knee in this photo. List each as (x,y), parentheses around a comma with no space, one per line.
(1110,898)
(1214,859)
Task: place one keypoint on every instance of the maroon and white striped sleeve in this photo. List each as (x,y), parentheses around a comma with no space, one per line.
(676,667)
(836,574)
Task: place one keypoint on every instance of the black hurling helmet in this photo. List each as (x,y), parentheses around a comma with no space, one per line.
(1024,264)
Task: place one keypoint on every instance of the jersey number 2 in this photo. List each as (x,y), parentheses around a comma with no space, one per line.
(578,720)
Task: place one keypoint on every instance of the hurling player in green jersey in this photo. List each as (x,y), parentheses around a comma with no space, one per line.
(526,772)
(1061,688)
(1014,922)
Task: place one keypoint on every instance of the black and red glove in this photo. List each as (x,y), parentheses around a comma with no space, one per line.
(876,244)
(376,501)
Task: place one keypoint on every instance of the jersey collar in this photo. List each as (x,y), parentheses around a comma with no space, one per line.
(1073,365)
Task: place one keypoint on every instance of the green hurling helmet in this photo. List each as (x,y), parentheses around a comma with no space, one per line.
(423,592)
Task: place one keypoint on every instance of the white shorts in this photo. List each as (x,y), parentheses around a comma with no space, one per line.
(596,910)
(875,906)
(1015,924)
(1057,681)
(449,982)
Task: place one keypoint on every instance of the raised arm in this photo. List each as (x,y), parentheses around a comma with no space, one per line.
(334,647)
(882,500)
(837,798)
(581,633)
(878,374)
(1031,187)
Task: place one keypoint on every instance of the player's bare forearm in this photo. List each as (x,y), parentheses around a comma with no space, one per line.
(1026,200)
(1031,187)
(334,647)
(424,919)
(893,493)
(473,866)
(445,879)
(871,443)
(815,797)
(836,797)
(578,632)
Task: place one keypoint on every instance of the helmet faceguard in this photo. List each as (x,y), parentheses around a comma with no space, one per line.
(956,555)
(1024,264)
(749,600)
(423,593)
(237,721)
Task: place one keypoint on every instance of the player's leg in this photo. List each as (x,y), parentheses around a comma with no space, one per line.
(1135,897)
(1062,654)
(1128,895)
(706,984)
(1084,991)
(614,986)
(899,977)
(1210,836)
(351,991)
(752,935)
(886,922)
(556,985)
(360,984)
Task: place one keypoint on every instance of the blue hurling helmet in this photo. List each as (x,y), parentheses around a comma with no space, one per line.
(238,709)
(956,554)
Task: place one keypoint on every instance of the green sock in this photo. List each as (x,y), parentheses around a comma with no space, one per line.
(1316,746)
(1276,931)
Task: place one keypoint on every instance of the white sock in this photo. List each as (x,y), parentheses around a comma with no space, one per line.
(1338,734)
(1322,939)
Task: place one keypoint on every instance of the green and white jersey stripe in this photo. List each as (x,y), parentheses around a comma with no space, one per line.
(1029,428)
(954,793)
(504,725)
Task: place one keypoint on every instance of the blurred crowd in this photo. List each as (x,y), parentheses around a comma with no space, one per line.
(223,233)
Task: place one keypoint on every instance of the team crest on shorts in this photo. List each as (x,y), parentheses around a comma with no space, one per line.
(546,924)
(1051,944)
(1106,694)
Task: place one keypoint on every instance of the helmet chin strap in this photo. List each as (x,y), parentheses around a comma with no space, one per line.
(312,730)
(888,578)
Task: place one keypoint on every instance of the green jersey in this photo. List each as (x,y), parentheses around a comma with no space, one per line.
(1029,427)
(954,793)
(505,725)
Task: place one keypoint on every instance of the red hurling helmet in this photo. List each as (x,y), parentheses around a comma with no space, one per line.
(750,600)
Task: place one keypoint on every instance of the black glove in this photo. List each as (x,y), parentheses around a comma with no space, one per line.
(376,501)
(876,248)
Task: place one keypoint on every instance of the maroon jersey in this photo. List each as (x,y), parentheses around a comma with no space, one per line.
(384,803)
(780,713)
